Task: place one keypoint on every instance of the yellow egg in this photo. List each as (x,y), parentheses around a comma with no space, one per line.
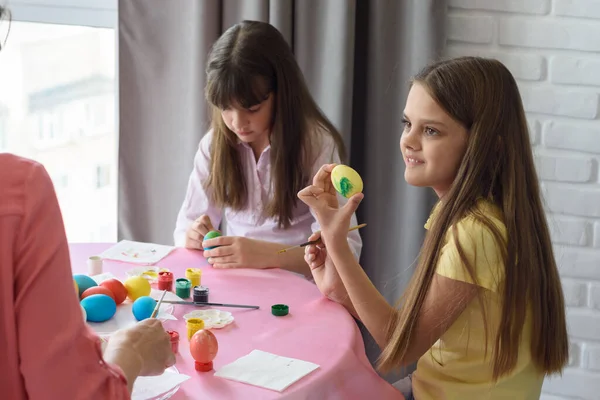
(137,286)
(76,287)
(346,181)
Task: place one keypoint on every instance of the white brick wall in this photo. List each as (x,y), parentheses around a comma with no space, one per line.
(553,49)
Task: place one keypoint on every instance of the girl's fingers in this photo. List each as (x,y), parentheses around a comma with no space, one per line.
(314,236)
(206,223)
(221,260)
(322,178)
(219,241)
(221,251)
(309,196)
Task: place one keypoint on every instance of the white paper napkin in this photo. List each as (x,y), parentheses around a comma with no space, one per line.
(266,370)
(137,252)
(150,387)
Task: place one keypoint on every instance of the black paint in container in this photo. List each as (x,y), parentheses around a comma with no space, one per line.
(200,294)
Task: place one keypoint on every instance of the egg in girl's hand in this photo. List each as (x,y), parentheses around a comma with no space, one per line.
(137,287)
(117,288)
(84,282)
(346,180)
(143,307)
(211,235)
(99,307)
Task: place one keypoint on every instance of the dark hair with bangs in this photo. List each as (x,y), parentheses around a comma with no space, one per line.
(250,61)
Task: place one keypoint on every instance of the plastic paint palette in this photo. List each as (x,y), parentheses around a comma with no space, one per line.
(212,318)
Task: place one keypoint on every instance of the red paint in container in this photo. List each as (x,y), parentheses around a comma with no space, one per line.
(174,341)
(165,281)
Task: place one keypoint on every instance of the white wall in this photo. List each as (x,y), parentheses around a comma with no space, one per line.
(553,49)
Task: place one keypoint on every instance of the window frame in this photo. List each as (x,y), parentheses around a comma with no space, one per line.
(93,13)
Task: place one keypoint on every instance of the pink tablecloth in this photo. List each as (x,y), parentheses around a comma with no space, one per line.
(316,330)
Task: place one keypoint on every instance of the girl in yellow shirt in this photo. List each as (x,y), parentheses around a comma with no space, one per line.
(483,315)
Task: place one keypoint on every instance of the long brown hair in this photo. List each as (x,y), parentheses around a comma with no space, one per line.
(250,61)
(498,165)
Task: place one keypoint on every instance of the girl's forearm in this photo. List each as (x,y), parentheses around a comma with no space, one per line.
(366,301)
(340,295)
(291,260)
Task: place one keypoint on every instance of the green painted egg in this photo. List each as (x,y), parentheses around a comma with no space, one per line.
(211,235)
(346,181)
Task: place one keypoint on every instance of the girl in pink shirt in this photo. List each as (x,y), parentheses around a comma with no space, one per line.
(268,138)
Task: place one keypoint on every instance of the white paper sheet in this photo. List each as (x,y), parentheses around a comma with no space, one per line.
(137,252)
(124,318)
(266,370)
(150,387)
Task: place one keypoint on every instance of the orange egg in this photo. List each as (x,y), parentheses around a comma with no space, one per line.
(117,288)
(97,290)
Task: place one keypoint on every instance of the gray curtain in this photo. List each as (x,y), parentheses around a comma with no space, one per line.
(356,56)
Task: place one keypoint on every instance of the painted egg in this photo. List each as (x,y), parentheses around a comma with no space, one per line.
(346,181)
(143,307)
(84,282)
(76,287)
(99,307)
(137,287)
(117,288)
(83,312)
(212,235)
(98,290)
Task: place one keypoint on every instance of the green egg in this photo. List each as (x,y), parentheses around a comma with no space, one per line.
(212,235)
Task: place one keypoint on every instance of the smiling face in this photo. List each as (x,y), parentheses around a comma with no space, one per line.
(432,143)
(251,125)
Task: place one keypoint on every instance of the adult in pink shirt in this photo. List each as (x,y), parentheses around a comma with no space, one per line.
(47,350)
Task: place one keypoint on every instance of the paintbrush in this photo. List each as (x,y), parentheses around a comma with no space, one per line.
(203,304)
(155,312)
(318,240)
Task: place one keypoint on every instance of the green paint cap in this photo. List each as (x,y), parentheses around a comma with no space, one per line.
(280,310)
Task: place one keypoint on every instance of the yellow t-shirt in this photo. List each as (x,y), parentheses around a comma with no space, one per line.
(457,367)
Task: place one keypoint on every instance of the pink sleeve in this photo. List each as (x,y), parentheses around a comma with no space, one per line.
(60,358)
(197,200)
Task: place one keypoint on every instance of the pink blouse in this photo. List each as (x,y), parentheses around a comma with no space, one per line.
(48,352)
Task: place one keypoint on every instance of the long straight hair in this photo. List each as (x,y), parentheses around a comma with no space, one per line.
(250,61)
(498,165)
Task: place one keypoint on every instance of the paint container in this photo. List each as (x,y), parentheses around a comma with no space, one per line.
(194,275)
(194,325)
(165,281)
(174,341)
(94,265)
(200,294)
(182,288)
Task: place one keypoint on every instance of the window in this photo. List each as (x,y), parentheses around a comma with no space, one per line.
(58,79)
